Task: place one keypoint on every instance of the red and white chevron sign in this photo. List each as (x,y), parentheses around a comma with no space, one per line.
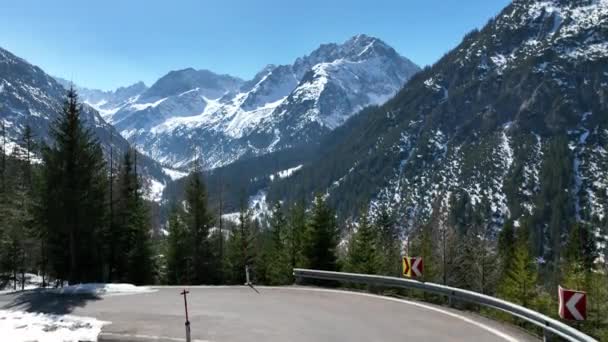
(572,304)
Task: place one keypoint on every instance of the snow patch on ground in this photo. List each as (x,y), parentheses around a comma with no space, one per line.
(174,174)
(286,173)
(259,206)
(101,289)
(19,326)
(32,281)
(232,217)
(142,106)
(154,192)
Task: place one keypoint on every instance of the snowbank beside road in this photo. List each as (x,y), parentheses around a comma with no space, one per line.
(102,289)
(32,281)
(19,326)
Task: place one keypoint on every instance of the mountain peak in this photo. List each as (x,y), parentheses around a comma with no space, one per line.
(179,81)
(357,48)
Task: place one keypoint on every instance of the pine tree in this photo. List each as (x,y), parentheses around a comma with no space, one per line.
(134,261)
(295,235)
(363,255)
(3,153)
(178,250)
(389,246)
(519,283)
(467,271)
(575,272)
(280,271)
(321,237)
(12,247)
(240,246)
(74,197)
(427,248)
(120,234)
(140,266)
(506,243)
(199,221)
(17,234)
(553,213)
(26,203)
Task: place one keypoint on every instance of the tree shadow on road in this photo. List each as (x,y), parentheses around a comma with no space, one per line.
(49,303)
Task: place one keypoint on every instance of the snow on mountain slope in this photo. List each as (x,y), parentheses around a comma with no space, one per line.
(491,127)
(29,96)
(282,106)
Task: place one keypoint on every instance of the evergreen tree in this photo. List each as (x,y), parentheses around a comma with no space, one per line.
(553,212)
(199,221)
(575,272)
(240,247)
(13,220)
(424,245)
(467,271)
(74,197)
(506,243)
(519,283)
(134,261)
(363,255)
(178,250)
(321,237)
(120,234)
(389,246)
(295,235)
(16,250)
(280,270)
(3,153)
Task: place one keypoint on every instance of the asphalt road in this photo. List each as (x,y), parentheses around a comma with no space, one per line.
(272,314)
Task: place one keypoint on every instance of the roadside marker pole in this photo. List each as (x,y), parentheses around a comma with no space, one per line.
(184,293)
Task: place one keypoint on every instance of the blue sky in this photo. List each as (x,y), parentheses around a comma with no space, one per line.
(110,43)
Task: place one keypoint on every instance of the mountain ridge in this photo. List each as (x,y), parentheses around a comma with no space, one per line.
(238,119)
(29,96)
(512,122)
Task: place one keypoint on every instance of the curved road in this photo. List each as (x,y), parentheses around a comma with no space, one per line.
(222,314)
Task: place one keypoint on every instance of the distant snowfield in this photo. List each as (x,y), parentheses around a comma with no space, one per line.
(19,326)
(154,192)
(286,173)
(174,174)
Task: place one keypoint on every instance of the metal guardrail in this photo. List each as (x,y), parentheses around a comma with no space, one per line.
(546,323)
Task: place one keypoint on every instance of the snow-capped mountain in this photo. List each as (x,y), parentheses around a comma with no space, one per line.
(282,106)
(512,124)
(106,102)
(28,96)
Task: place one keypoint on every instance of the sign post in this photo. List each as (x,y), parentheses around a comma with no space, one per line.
(184,293)
(572,304)
(413,267)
